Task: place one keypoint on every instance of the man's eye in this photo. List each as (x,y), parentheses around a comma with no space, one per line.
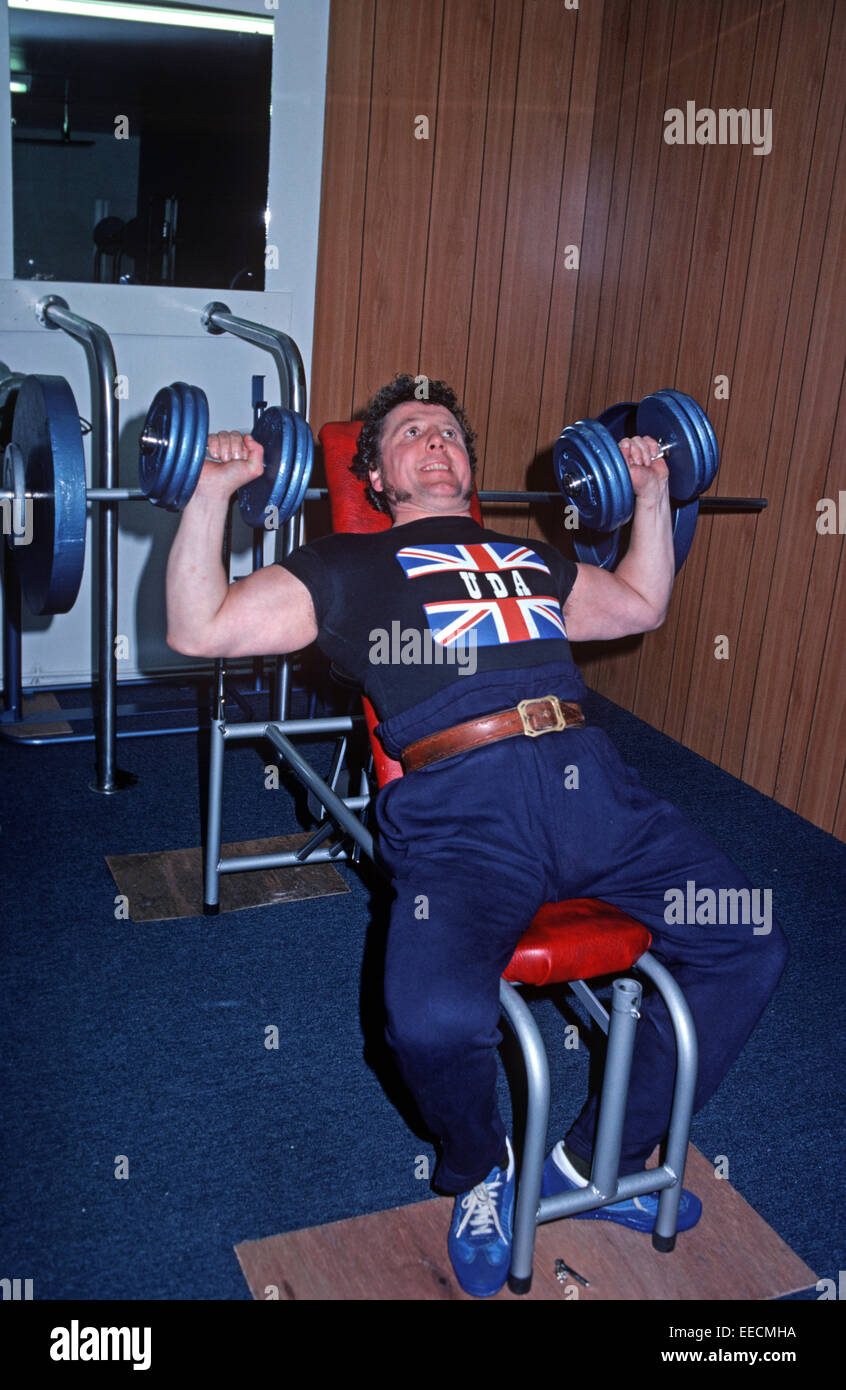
(451,432)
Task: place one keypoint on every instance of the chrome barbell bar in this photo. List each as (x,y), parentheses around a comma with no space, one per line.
(128,494)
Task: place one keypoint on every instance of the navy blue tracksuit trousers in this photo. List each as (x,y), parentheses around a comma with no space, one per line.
(475,845)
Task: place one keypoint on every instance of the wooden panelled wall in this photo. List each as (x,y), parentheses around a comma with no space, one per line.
(452,255)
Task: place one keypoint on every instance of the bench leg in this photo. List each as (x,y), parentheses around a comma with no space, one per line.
(537,1123)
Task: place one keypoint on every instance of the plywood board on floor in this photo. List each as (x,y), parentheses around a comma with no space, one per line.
(401,1255)
(167,885)
(43,703)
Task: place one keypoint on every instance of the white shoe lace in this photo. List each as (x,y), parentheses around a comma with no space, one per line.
(480,1210)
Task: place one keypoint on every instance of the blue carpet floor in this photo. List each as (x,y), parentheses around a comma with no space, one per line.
(141,1048)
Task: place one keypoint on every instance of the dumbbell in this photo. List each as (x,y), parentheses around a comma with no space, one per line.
(594,477)
(173,448)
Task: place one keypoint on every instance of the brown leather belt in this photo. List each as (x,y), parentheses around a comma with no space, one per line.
(530,717)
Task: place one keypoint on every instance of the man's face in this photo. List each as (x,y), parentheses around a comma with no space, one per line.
(425,470)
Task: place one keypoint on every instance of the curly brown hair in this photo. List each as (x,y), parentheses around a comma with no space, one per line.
(402,388)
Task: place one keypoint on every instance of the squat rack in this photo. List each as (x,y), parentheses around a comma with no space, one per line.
(54,313)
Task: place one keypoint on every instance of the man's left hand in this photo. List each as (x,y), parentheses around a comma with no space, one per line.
(647,468)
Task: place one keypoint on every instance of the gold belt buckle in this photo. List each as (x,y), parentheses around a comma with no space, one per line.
(560,716)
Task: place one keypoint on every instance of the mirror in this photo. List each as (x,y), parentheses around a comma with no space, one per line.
(140,150)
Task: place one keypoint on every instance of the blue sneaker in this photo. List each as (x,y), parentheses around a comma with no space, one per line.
(480,1235)
(638,1213)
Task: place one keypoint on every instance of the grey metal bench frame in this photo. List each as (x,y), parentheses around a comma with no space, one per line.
(605,1184)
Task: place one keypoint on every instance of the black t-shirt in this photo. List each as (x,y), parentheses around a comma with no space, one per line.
(409,611)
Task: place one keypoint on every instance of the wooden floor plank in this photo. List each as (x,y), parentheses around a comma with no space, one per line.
(167,885)
(42,703)
(401,1255)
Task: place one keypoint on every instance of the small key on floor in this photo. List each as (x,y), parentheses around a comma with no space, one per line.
(563,1272)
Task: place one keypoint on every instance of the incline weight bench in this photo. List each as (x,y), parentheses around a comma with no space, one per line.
(567,943)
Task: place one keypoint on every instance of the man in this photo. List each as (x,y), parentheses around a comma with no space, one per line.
(488,823)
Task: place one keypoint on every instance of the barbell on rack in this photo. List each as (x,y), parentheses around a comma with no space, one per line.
(44,465)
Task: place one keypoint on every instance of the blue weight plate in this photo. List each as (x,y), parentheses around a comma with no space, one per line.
(179,434)
(609,501)
(618,484)
(195,432)
(182,433)
(275,432)
(294,460)
(663,419)
(46,429)
(289,457)
(569,460)
(155,468)
(707,436)
(603,548)
(620,420)
(574,457)
(598,548)
(683,404)
(306,455)
(583,451)
(603,483)
(684,525)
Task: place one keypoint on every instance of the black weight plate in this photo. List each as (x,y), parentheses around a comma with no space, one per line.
(47,431)
(9,386)
(711,451)
(135,240)
(108,235)
(195,442)
(663,419)
(155,466)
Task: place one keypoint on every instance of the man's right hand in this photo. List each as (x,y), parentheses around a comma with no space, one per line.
(232,459)
(266,613)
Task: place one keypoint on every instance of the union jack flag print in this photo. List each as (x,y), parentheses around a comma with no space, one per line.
(509,613)
(418,560)
(495,621)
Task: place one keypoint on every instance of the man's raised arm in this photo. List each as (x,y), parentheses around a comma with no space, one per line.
(635,596)
(265,614)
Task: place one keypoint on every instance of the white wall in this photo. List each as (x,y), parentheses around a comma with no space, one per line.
(158,338)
